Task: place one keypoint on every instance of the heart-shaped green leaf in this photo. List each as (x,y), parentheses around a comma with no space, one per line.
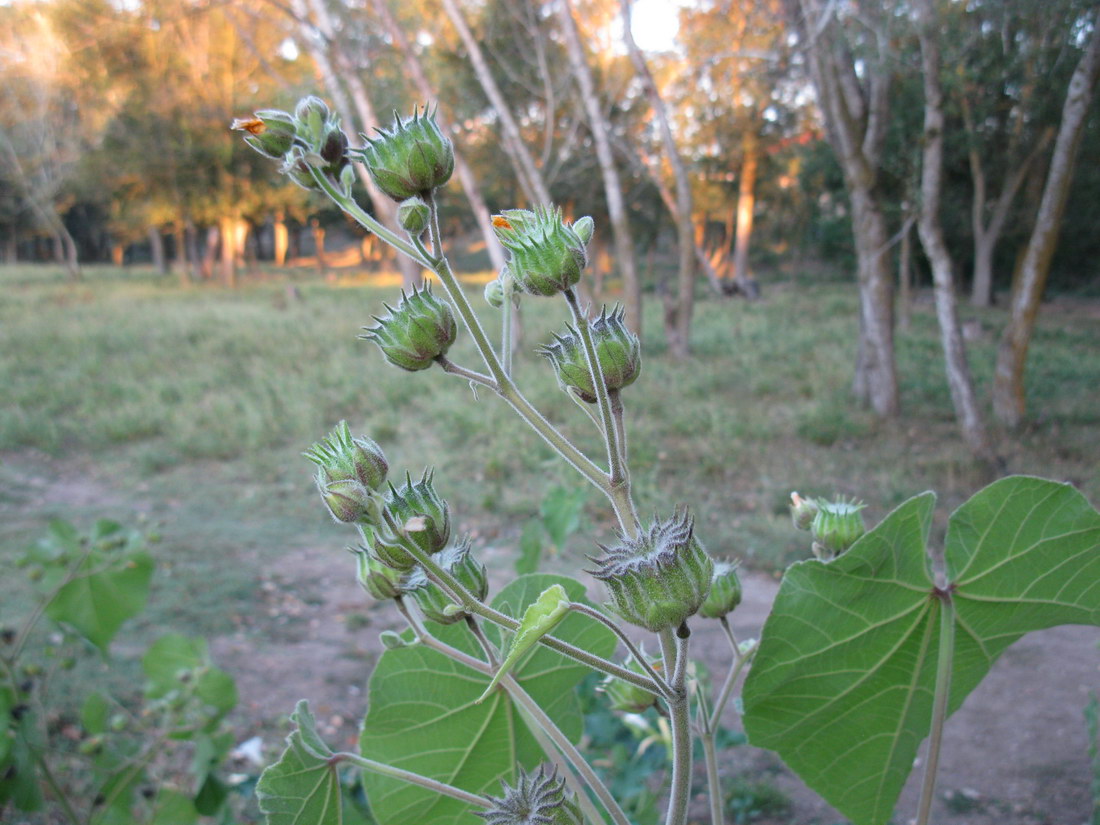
(843,683)
(423,714)
(303,787)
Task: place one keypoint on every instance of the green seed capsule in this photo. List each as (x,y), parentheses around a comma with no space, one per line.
(725,591)
(836,527)
(341,457)
(418,331)
(618,351)
(547,255)
(412,158)
(536,799)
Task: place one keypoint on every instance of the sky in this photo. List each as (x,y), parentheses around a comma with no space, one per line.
(655,23)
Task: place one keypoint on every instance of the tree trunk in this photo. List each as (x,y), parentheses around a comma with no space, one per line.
(931,234)
(156,247)
(620,224)
(11,246)
(680,345)
(321,41)
(280,239)
(1008,379)
(462,170)
(905,276)
(746,201)
(530,178)
(318,233)
(228,260)
(855,106)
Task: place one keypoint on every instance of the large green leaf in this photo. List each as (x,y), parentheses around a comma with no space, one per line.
(99,599)
(843,682)
(303,787)
(424,714)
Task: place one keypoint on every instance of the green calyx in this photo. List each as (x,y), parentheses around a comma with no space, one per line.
(836,527)
(725,591)
(659,579)
(412,157)
(536,799)
(270,132)
(627,697)
(347,500)
(414,215)
(803,511)
(618,351)
(547,255)
(434,604)
(376,577)
(309,139)
(340,457)
(418,510)
(418,331)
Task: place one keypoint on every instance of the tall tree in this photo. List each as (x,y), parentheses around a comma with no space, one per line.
(616,206)
(678,314)
(1008,382)
(930,229)
(853,93)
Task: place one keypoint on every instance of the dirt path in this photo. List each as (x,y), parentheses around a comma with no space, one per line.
(1015,754)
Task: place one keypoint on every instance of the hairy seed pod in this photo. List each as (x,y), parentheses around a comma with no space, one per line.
(418,331)
(618,351)
(535,799)
(660,578)
(341,457)
(836,527)
(430,598)
(547,256)
(725,591)
(412,157)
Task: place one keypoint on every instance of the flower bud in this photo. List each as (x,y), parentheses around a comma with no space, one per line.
(417,332)
(547,255)
(660,578)
(334,149)
(412,158)
(626,696)
(617,349)
(311,116)
(584,227)
(341,457)
(836,527)
(430,598)
(418,508)
(494,293)
(725,591)
(414,215)
(270,132)
(298,169)
(536,798)
(347,500)
(803,511)
(378,579)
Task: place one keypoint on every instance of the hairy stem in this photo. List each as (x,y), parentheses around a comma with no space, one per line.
(469,375)
(568,749)
(665,690)
(714,784)
(675,651)
(410,777)
(939,705)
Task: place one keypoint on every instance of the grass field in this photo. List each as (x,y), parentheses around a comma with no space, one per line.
(130,397)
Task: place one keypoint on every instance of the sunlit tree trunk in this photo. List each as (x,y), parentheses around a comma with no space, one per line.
(353,103)
(616,207)
(855,106)
(280,239)
(462,170)
(746,202)
(680,343)
(931,234)
(156,247)
(1008,380)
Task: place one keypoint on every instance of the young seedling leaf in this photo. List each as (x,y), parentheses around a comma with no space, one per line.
(303,787)
(423,713)
(97,602)
(539,618)
(843,683)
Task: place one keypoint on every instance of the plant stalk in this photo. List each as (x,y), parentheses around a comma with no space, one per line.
(714,784)
(939,703)
(410,777)
(665,690)
(675,652)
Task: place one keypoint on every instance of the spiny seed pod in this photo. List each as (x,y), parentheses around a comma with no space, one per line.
(416,333)
(627,697)
(341,457)
(378,579)
(412,158)
(270,132)
(617,349)
(725,591)
(536,799)
(547,255)
(347,500)
(836,527)
(430,598)
(803,511)
(660,578)
(418,508)
(414,215)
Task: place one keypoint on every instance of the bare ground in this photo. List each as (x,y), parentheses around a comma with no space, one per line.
(1015,754)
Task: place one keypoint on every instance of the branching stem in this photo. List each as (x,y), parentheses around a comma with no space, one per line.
(665,690)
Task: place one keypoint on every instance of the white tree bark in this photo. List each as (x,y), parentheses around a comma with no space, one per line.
(616,207)
(1008,379)
(930,229)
